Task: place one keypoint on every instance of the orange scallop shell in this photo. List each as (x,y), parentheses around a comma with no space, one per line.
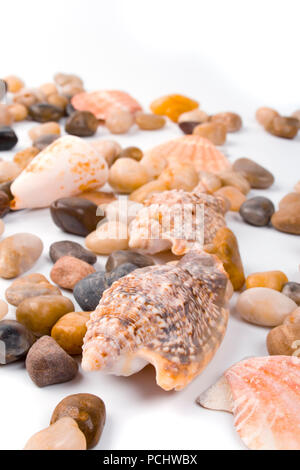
(103,103)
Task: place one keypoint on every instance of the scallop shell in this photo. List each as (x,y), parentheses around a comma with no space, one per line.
(263,393)
(65,168)
(171,316)
(189,149)
(103,103)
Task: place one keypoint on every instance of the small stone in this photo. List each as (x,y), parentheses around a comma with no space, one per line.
(149,122)
(146,191)
(68,270)
(293,318)
(70,330)
(119,122)
(44,140)
(18,111)
(119,272)
(271,279)
(3,309)
(119,257)
(197,115)
(257,211)
(45,112)
(234,196)
(47,363)
(75,215)
(59,101)
(71,89)
(188,127)
(39,314)
(292,290)
(225,246)
(98,197)
(14,83)
(213,131)
(208,182)
(173,106)
(67,248)
(265,115)
(232,121)
(8,138)
(32,285)
(132,152)
(18,253)
(48,89)
(89,413)
(109,149)
(24,157)
(28,97)
(15,341)
(82,124)
(264,306)
(63,79)
(8,171)
(236,179)
(126,175)
(284,340)
(108,237)
(257,175)
(4,204)
(6,117)
(285,127)
(287,218)
(44,129)
(288,200)
(63,435)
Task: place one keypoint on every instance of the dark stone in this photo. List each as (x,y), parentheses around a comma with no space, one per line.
(257,211)
(45,112)
(17,340)
(8,138)
(119,257)
(4,203)
(5,187)
(81,124)
(75,215)
(119,272)
(44,140)
(89,413)
(257,176)
(292,290)
(47,363)
(68,248)
(188,126)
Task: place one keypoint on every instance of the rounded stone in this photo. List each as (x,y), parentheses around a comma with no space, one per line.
(39,314)
(126,175)
(108,237)
(265,115)
(32,285)
(8,138)
(67,248)
(89,413)
(67,271)
(232,121)
(18,111)
(75,215)
(235,197)
(188,127)
(82,124)
(45,112)
(280,126)
(119,122)
(236,179)
(14,83)
(4,203)
(15,340)
(292,290)
(58,100)
(6,117)
(197,115)
(271,279)
(213,131)
(257,175)
(257,211)
(132,152)
(47,363)
(44,129)
(149,122)
(287,219)
(119,257)
(44,140)
(18,253)
(70,330)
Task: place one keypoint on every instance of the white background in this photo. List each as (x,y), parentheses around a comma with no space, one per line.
(230,55)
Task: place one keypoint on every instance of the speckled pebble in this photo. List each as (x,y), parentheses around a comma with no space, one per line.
(32,285)
(67,271)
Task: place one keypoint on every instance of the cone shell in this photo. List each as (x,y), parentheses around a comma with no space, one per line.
(65,168)
(103,103)
(189,149)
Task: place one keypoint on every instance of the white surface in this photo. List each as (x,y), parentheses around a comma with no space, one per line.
(238,58)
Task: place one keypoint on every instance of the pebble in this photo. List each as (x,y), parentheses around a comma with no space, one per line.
(188,127)
(265,115)
(132,152)
(3,309)
(289,199)
(63,435)
(82,124)
(17,340)
(287,218)
(70,330)
(119,257)
(45,112)
(47,363)
(44,129)
(119,122)
(109,149)
(232,121)
(257,175)
(75,215)
(24,157)
(149,122)
(126,175)
(39,314)
(234,196)
(257,211)
(89,413)
(44,140)
(173,106)
(8,171)
(6,117)
(108,237)
(213,131)
(48,89)
(233,178)
(264,306)
(293,318)
(18,253)
(14,83)
(284,340)
(89,291)
(8,138)
(67,271)
(18,111)
(197,115)
(59,101)
(63,79)
(4,204)
(98,197)
(271,279)
(292,290)
(32,285)
(286,127)
(28,96)
(145,191)
(71,89)
(209,182)
(67,248)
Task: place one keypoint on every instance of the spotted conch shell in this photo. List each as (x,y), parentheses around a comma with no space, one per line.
(65,168)
(263,393)
(171,316)
(103,103)
(176,220)
(189,149)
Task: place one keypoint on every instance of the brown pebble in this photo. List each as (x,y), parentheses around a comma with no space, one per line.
(233,178)
(232,121)
(28,97)
(285,127)
(119,122)
(81,124)
(265,115)
(257,175)
(32,285)
(70,330)
(58,100)
(284,340)
(67,271)
(150,122)
(287,218)
(234,195)
(132,152)
(18,111)
(213,131)
(18,253)
(24,157)
(48,89)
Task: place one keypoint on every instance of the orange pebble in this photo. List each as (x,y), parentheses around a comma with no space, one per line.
(234,195)
(173,105)
(271,279)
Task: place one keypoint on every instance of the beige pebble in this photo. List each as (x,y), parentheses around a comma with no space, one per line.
(28,97)
(179,176)
(8,171)
(197,115)
(109,149)
(18,111)
(149,122)
(67,271)
(31,285)
(3,309)
(208,182)
(145,191)
(234,196)
(62,435)
(264,306)
(44,129)
(293,318)
(119,122)
(71,89)
(6,117)
(126,175)
(14,83)
(213,131)
(63,79)
(18,253)
(232,121)
(108,237)
(48,89)
(233,178)
(57,100)
(265,115)
(24,157)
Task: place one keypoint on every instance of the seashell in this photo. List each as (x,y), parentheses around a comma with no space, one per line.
(171,316)
(65,168)
(189,149)
(103,103)
(263,393)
